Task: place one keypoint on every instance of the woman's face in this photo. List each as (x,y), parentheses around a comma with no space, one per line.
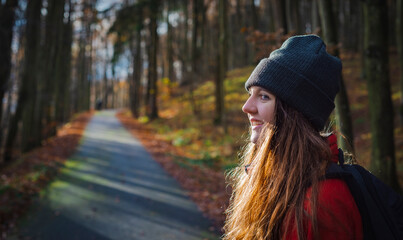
(260,109)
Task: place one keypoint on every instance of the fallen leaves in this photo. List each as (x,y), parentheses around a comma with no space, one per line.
(30,173)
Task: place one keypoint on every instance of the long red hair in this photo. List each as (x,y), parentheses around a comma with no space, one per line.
(289,157)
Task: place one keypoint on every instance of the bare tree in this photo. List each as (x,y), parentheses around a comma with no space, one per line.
(222,68)
(380,104)
(343,115)
(29,79)
(7,19)
(153,91)
(399,43)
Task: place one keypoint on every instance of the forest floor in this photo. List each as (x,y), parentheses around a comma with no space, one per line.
(23,179)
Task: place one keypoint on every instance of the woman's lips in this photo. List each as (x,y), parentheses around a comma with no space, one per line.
(255,124)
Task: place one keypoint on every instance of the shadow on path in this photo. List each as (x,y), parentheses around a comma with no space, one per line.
(112,189)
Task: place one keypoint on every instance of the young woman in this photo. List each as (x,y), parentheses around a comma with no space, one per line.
(282,193)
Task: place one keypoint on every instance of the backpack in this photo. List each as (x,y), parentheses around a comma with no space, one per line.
(380,207)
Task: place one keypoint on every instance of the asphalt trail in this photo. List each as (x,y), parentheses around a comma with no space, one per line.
(113,189)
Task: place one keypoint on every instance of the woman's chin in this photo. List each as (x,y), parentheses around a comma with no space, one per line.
(254,137)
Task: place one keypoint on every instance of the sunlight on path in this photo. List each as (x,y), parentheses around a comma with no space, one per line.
(112,189)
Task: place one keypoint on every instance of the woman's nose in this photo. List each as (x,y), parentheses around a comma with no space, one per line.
(249,106)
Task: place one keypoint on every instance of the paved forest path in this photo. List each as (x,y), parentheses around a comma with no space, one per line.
(113,189)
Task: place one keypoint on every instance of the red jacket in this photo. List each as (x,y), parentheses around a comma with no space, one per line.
(338,215)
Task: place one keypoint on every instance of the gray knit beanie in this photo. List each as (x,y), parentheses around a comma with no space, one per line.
(302,74)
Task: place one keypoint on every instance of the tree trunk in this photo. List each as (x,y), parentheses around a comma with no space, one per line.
(30,128)
(184,56)
(6,119)
(26,92)
(112,88)
(399,43)
(132,89)
(89,79)
(280,21)
(203,26)
(195,35)
(170,60)
(381,109)
(137,74)
(315,17)
(149,74)
(105,92)
(131,79)
(343,115)
(349,24)
(391,23)
(82,75)
(153,114)
(240,50)
(266,22)
(135,85)
(255,17)
(194,77)
(62,93)
(222,69)
(292,16)
(53,60)
(85,77)
(7,18)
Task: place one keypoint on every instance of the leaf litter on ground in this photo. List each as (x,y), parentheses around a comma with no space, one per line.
(29,173)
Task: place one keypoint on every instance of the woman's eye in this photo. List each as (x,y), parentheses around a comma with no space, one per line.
(264,97)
